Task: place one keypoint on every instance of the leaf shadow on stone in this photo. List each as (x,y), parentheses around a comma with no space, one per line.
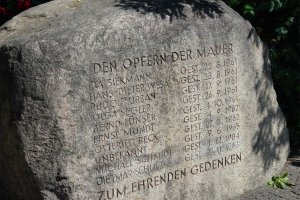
(268,146)
(252,34)
(172,8)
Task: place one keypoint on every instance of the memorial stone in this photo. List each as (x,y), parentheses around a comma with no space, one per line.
(136,100)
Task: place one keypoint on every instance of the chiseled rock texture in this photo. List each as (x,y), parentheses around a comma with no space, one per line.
(132,99)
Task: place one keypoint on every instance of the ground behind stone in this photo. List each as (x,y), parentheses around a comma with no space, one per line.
(265,192)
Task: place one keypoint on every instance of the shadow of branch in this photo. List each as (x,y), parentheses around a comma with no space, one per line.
(172,8)
(253,35)
(265,144)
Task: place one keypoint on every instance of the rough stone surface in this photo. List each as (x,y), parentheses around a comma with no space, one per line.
(135,99)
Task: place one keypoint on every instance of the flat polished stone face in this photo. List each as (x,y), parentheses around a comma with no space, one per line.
(136,100)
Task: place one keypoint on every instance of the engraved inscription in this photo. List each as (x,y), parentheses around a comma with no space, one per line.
(130,109)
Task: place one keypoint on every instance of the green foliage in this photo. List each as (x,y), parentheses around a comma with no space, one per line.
(280,181)
(275,17)
(248,9)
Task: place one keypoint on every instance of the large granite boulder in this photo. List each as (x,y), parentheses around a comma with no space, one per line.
(135,100)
